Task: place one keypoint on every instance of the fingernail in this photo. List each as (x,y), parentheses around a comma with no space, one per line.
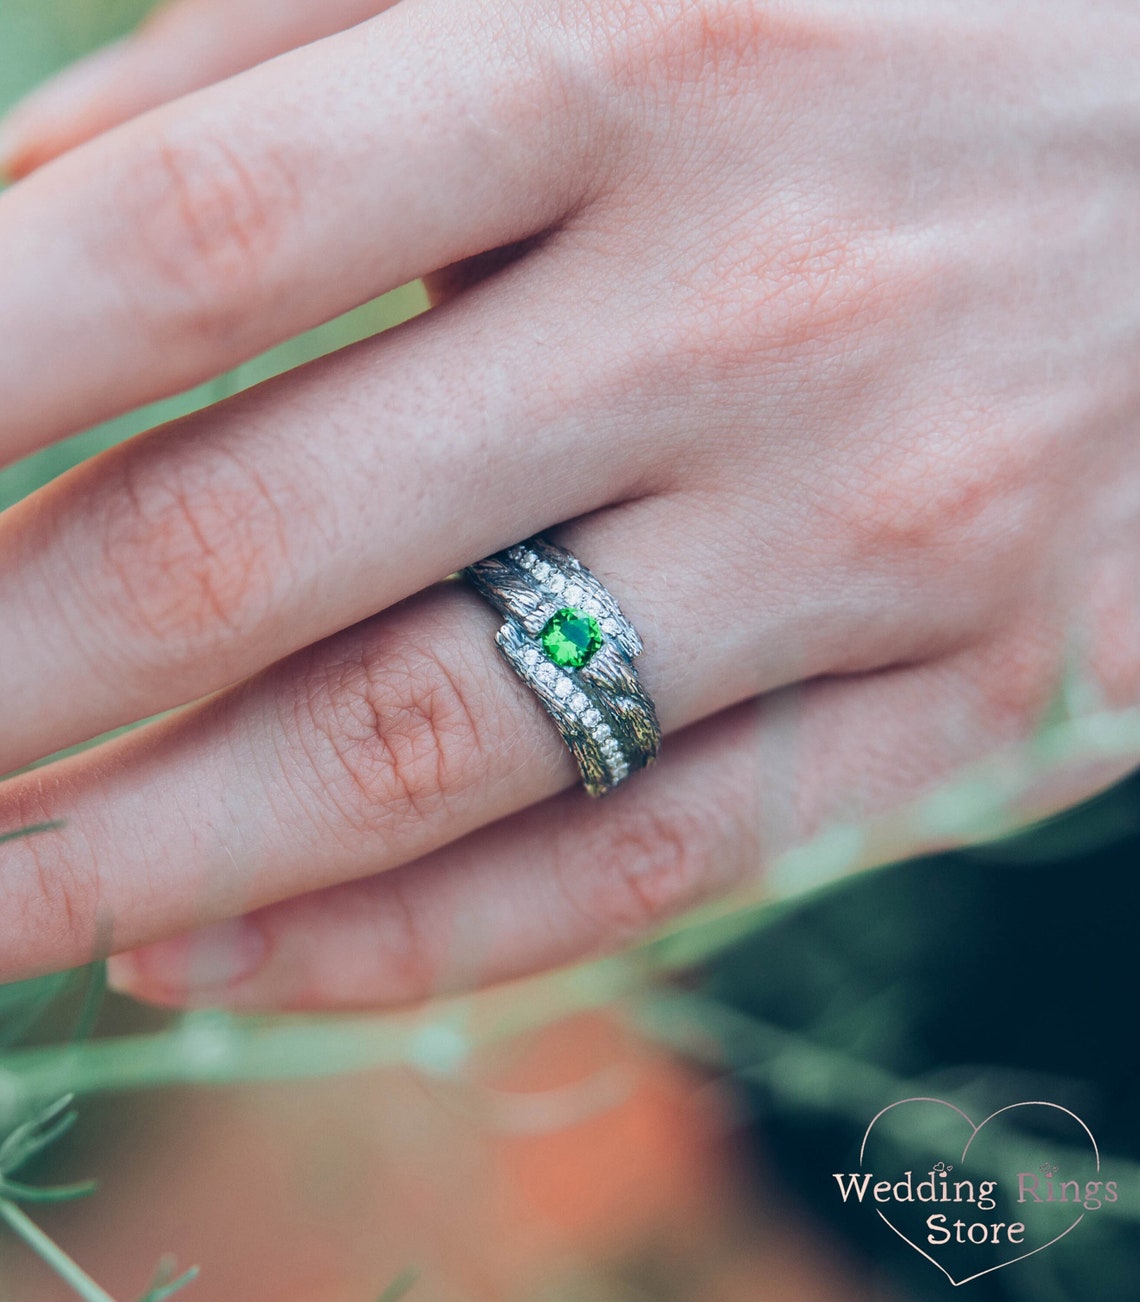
(211,959)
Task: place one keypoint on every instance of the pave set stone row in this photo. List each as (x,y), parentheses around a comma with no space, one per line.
(560,681)
(573,594)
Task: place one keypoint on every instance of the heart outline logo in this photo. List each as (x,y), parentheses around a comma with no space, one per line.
(974,1129)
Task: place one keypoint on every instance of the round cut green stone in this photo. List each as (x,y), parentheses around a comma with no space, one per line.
(571,637)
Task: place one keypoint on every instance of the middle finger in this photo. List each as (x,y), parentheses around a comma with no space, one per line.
(199,553)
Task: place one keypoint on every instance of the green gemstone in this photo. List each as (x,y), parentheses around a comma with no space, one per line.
(571,637)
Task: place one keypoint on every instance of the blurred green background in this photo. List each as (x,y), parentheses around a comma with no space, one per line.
(987,976)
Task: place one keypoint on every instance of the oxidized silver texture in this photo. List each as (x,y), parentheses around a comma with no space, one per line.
(601,709)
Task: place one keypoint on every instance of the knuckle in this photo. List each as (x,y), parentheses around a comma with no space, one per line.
(58,899)
(651,866)
(974,496)
(791,286)
(1019,675)
(390,734)
(790,294)
(407,972)
(652,42)
(194,551)
(902,505)
(393,965)
(205,222)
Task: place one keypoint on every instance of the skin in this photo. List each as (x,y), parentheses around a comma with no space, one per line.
(815,337)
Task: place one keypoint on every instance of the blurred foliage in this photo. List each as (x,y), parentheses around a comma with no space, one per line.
(986,977)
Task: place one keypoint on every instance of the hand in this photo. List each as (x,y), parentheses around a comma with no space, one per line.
(817,340)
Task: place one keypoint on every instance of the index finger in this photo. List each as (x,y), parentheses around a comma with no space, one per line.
(200,234)
(180,47)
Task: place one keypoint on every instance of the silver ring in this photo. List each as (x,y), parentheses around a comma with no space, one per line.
(566,638)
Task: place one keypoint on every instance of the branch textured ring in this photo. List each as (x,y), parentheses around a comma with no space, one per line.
(566,638)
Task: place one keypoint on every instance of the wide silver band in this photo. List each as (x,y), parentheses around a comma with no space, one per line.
(600,708)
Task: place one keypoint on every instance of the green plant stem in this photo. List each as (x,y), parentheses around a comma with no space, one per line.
(401,1286)
(218,1048)
(62,1193)
(93,997)
(34,830)
(160,1291)
(52,1254)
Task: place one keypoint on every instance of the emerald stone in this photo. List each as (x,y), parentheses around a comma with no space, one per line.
(571,637)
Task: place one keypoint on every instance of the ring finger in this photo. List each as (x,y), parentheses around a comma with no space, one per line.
(367,750)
